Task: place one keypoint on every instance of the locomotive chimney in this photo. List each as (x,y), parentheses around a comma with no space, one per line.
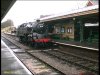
(37,20)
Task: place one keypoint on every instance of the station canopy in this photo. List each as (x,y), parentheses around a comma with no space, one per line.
(5,7)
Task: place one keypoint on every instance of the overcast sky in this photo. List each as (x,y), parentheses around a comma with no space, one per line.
(28,11)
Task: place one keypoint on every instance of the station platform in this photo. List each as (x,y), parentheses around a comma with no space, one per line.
(92,46)
(10,64)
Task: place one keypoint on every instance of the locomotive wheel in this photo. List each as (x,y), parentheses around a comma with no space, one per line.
(36,45)
(20,39)
(42,44)
(24,39)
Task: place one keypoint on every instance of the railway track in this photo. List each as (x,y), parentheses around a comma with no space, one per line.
(86,64)
(86,53)
(35,65)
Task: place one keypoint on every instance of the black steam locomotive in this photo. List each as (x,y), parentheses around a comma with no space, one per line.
(34,33)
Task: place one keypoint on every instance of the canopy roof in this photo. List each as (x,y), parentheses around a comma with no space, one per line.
(78,12)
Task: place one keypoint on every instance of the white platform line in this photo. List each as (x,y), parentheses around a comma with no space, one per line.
(17,58)
(78,46)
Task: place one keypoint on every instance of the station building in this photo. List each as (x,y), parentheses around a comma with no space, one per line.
(77,25)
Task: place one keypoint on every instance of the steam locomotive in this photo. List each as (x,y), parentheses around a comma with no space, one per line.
(34,33)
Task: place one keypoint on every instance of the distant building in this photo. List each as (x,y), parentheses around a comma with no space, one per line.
(9,29)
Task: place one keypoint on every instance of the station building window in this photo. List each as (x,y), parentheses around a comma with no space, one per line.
(57,30)
(62,30)
(69,30)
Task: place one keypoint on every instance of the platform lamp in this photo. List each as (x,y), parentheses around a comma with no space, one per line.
(73,18)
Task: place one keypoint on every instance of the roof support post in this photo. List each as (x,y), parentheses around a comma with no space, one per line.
(81,30)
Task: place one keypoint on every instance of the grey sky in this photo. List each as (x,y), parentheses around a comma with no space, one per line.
(28,11)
